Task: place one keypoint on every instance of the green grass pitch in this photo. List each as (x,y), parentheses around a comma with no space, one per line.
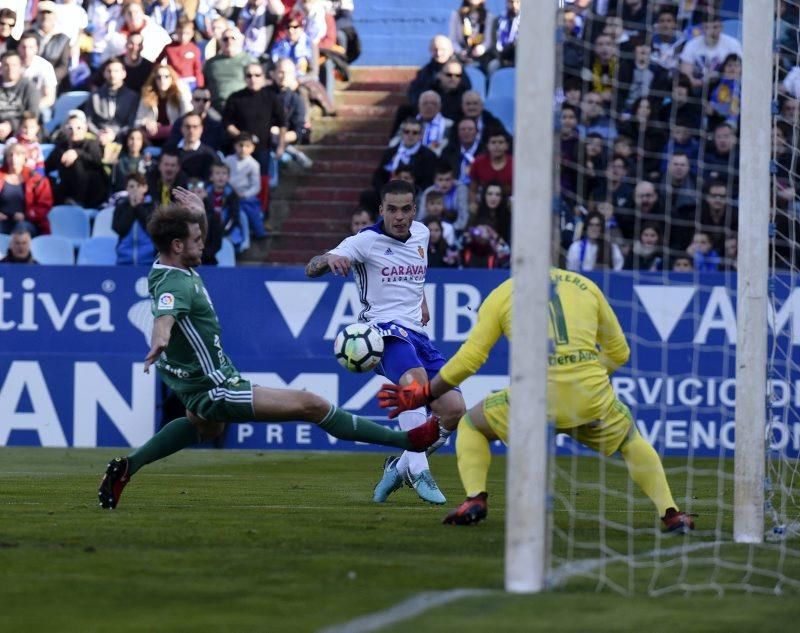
(288,541)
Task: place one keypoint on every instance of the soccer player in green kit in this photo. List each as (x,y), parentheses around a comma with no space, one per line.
(187,351)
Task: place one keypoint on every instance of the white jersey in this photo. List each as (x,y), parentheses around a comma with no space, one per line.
(389,274)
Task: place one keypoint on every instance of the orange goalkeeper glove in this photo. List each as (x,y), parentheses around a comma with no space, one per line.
(402,399)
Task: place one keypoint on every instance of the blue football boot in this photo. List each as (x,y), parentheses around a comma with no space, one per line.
(391,481)
(426,488)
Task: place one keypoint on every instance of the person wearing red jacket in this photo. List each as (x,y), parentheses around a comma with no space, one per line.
(26,196)
(184,55)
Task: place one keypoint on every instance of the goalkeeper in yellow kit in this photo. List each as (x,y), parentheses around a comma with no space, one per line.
(588,345)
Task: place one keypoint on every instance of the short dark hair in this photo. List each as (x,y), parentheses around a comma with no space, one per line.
(8,13)
(443,167)
(7,54)
(21,229)
(171,222)
(138,178)
(412,120)
(667,8)
(218,164)
(496,131)
(397,186)
(170,151)
(31,34)
(434,195)
(574,109)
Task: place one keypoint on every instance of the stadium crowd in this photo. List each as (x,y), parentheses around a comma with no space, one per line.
(646,122)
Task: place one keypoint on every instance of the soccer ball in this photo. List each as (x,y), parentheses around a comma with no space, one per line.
(358,347)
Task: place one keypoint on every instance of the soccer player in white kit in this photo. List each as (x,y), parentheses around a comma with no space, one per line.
(389,260)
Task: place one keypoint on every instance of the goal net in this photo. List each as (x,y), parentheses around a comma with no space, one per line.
(651,120)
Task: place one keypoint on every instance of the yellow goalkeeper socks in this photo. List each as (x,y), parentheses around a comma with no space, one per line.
(474,457)
(647,471)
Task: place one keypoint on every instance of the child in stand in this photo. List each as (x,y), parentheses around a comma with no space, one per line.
(245,178)
(701,250)
(224,204)
(454,194)
(434,210)
(28,137)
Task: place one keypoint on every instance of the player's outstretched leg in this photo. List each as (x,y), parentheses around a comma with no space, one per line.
(413,467)
(391,480)
(646,470)
(173,437)
(474,458)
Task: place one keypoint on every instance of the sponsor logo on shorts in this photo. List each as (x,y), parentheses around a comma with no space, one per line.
(402,331)
(166,301)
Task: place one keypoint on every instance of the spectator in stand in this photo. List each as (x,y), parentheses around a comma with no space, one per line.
(705,258)
(295,45)
(214,228)
(719,219)
(28,137)
(224,203)
(131,160)
(730,261)
(111,110)
(725,94)
(594,119)
(359,220)
(224,73)
(721,159)
(79,161)
(495,210)
(441,49)
(614,188)
(131,214)
(505,37)
(789,111)
(455,196)
(451,88)
(472,107)
(592,162)
(256,107)
(8,20)
(440,253)
(472,30)
(461,153)
(635,16)
(137,68)
(54,46)
(214,45)
(104,16)
(134,20)
(245,178)
(647,208)
(257,22)
(298,125)
(702,57)
(569,142)
(17,94)
(38,71)
(681,140)
(165,13)
(681,105)
(791,84)
(164,99)
(213,132)
(601,75)
(647,252)
(433,209)
(411,153)
(668,41)
(168,175)
(25,196)
(594,251)
(679,197)
(196,157)
(184,56)
(647,135)
(435,127)
(497,164)
(483,248)
(19,247)
(638,77)
(682,264)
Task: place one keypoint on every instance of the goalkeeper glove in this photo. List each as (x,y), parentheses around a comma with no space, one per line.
(404,398)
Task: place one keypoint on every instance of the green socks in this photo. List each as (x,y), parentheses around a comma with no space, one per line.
(347,426)
(176,435)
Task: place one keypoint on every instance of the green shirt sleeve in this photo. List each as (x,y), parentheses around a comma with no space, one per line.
(173,296)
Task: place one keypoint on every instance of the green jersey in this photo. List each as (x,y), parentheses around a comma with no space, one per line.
(194,359)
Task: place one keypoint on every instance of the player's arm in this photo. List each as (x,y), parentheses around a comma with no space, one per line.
(614,350)
(338,260)
(162,330)
(426,314)
(328,262)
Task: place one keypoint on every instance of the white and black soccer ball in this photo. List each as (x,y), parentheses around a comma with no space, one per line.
(358,347)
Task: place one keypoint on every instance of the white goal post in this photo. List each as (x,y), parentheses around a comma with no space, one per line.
(758,24)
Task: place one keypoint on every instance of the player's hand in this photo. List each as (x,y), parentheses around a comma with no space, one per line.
(426,315)
(189,199)
(339,264)
(152,356)
(404,398)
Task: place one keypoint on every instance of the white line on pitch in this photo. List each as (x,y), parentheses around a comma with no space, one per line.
(410,608)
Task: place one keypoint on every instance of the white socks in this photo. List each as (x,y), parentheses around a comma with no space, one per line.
(412,464)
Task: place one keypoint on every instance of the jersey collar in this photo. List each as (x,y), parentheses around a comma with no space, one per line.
(159,266)
(379,228)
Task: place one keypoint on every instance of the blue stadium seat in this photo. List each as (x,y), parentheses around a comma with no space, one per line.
(69,221)
(47,149)
(245,224)
(65,102)
(732,28)
(477,79)
(503,109)
(502,82)
(226,255)
(98,251)
(4,240)
(153,152)
(102,224)
(53,249)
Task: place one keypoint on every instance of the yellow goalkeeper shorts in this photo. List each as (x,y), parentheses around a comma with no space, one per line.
(604,436)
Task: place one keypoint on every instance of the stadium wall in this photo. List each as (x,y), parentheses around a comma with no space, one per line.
(71,354)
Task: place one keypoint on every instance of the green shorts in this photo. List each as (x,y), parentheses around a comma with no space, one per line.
(232,401)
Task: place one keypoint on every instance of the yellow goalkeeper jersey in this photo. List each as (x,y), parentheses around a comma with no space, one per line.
(580,320)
